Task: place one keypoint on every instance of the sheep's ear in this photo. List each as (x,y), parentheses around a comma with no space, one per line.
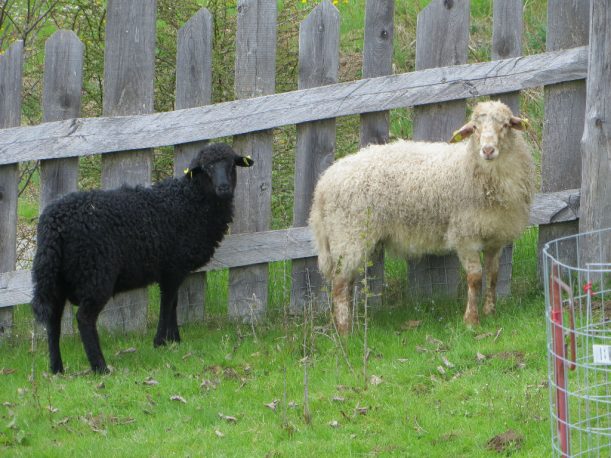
(193,170)
(244,161)
(518,123)
(462,133)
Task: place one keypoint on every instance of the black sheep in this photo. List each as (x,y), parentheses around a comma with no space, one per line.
(94,244)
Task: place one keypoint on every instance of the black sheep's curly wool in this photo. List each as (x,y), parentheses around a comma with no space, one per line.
(94,244)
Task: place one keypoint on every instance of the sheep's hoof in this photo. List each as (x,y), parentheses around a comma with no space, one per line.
(471,320)
(159,341)
(162,341)
(57,368)
(100,369)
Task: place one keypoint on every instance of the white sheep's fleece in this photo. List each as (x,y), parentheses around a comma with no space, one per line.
(418,198)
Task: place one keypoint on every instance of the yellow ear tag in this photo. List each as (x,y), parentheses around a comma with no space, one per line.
(247,160)
(188,172)
(525,123)
(456,137)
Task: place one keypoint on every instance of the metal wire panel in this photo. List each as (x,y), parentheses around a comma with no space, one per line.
(577,279)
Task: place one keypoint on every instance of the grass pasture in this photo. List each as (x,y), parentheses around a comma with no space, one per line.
(432,390)
(428,387)
(411,381)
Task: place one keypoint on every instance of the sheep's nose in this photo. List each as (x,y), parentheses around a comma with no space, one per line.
(488,151)
(223,189)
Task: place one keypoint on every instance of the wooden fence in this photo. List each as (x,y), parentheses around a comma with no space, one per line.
(438,89)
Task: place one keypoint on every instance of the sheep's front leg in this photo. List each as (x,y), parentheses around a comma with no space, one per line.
(472,265)
(341,304)
(491,263)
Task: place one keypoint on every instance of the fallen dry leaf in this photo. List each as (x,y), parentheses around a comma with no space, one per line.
(228,418)
(100,386)
(410,324)
(52,409)
(338,399)
(188,355)
(498,333)
(272,405)
(62,422)
(480,357)
(178,398)
(293,405)
(361,410)
(150,381)
(441,370)
(218,433)
(127,350)
(8,404)
(502,442)
(334,424)
(375,380)
(7,371)
(438,344)
(446,362)
(483,336)
(208,385)
(402,360)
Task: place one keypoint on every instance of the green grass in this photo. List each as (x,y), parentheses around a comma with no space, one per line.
(415,411)
(230,369)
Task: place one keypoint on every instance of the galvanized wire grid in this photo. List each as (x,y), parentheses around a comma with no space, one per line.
(577,279)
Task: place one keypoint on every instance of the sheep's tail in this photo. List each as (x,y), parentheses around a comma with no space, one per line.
(325,261)
(48,297)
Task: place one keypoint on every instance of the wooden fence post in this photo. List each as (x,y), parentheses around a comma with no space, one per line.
(63,80)
(442,35)
(377,61)
(255,75)
(596,141)
(318,66)
(506,42)
(129,64)
(11,70)
(193,88)
(567,27)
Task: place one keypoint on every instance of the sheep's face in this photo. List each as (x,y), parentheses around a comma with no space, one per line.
(215,168)
(490,123)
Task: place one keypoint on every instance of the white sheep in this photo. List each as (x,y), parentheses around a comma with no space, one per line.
(419,198)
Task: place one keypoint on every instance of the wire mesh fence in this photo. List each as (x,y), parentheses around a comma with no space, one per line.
(577,274)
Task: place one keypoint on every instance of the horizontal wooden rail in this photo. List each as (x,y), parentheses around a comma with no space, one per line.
(245,249)
(86,136)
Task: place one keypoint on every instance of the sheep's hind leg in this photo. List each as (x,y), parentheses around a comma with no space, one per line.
(472,265)
(54,329)
(491,263)
(341,305)
(167,327)
(87,317)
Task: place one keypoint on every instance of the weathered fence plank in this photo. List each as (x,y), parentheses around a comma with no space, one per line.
(375,127)
(193,88)
(318,65)
(506,42)
(567,26)
(294,243)
(442,36)
(86,136)
(61,99)
(596,141)
(11,71)
(129,64)
(255,76)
